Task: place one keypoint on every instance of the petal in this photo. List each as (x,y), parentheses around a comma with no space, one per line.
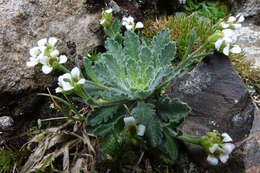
(235,49)
(35,51)
(58,90)
(141,130)
(228,147)
(212,160)
(241,18)
(31,63)
(226,50)
(52,41)
(102,21)
(63,59)
(43,59)
(67,86)
(228,32)
(129,27)
(109,10)
(226,137)
(42,42)
(67,76)
(218,43)
(46,69)
(75,72)
(130,19)
(139,25)
(54,53)
(81,81)
(213,148)
(237,25)
(224,25)
(223,158)
(232,19)
(129,120)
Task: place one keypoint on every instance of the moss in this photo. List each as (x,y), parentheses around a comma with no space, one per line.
(180,28)
(246,69)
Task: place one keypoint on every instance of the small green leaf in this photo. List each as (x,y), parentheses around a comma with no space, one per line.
(172,110)
(39,123)
(170,148)
(102,115)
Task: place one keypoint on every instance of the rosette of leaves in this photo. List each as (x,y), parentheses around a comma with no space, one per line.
(134,72)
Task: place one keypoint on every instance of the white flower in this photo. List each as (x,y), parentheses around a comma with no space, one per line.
(109,10)
(232,19)
(226,137)
(46,69)
(42,42)
(182,1)
(235,49)
(62,59)
(69,81)
(128,22)
(221,151)
(102,21)
(52,41)
(129,120)
(226,49)
(139,25)
(240,18)
(32,62)
(212,160)
(141,130)
(35,51)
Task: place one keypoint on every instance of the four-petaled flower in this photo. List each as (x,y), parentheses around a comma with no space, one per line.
(69,81)
(218,146)
(46,55)
(129,23)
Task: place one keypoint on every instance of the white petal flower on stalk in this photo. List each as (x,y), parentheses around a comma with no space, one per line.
(141,130)
(235,49)
(129,121)
(139,25)
(109,10)
(128,22)
(64,82)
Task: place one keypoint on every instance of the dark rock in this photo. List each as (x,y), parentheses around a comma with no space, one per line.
(6,123)
(219,101)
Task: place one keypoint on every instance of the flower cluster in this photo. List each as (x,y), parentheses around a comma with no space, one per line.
(131,122)
(106,17)
(219,147)
(225,37)
(69,81)
(46,55)
(129,23)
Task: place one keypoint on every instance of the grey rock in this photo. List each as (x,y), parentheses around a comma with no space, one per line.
(6,122)
(249,40)
(219,101)
(22,24)
(247,7)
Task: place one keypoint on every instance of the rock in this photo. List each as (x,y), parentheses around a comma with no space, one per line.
(249,40)
(6,123)
(22,24)
(219,101)
(247,7)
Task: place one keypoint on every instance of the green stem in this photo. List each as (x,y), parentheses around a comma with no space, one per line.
(97,85)
(61,68)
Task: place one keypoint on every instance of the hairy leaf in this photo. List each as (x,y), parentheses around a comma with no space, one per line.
(172,110)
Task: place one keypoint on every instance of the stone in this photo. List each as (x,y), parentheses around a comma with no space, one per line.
(249,40)
(22,24)
(246,7)
(6,123)
(219,101)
